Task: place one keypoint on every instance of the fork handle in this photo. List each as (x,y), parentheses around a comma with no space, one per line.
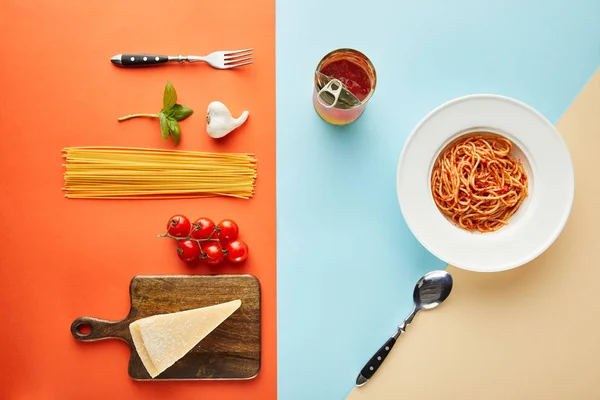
(139,60)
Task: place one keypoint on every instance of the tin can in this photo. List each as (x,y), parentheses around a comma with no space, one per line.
(344,81)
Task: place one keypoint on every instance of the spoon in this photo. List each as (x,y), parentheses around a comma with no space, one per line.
(430,291)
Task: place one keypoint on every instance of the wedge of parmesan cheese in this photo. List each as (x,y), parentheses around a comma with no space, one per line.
(161,340)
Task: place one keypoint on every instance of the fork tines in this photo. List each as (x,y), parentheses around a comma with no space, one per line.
(237,58)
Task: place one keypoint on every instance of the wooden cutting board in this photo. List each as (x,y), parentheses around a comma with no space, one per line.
(231,351)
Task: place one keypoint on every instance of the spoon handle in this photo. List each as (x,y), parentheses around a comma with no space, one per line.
(375,362)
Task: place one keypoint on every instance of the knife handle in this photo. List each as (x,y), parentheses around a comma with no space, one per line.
(139,60)
(375,362)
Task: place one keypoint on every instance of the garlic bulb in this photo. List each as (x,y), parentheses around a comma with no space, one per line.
(219,121)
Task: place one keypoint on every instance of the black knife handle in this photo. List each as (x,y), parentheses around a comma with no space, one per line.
(138,60)
(375,362)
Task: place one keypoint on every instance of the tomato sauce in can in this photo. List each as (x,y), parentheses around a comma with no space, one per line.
(345,80)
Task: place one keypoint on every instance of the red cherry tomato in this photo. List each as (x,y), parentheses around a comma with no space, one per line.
(188,250)
(179,226)
(213,252)
(237,251)
(203,229)
(228,231)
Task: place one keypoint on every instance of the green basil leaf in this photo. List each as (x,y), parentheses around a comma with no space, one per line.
(175,130)
(179,112)
(170,97)
(164,126)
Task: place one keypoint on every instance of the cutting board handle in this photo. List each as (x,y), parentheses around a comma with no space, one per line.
(87,329)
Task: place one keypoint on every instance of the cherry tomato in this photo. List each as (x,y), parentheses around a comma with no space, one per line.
(179,226)
(203,229)
(228,231)
(214,253)
(237,251)
(188,250)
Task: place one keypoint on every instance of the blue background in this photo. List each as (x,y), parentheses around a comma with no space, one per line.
(347,263)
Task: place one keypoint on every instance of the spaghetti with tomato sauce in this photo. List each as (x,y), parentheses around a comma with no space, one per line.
(478,184)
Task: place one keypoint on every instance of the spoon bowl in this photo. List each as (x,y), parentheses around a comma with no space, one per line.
(432,289)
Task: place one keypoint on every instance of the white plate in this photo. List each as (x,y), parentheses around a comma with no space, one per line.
(541,217)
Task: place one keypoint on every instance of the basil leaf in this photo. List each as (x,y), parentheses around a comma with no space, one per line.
(175,130)
(169,116)
(179,112)
(169,97)
(164,127)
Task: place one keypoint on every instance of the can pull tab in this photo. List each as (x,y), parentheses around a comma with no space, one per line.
(333,88)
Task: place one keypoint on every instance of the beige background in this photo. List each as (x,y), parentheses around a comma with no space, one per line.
(529,333)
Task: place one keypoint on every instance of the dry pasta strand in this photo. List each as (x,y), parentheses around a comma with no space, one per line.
(141,173)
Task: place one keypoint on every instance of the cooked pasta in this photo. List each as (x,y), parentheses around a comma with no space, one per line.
(478,184)
(138,173)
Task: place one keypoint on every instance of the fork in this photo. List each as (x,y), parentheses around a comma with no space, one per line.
(219,59)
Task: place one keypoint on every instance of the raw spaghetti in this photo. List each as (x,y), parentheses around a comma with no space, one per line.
(478,184)
(137,173)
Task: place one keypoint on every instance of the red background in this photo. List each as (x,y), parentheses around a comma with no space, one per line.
(62,259)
